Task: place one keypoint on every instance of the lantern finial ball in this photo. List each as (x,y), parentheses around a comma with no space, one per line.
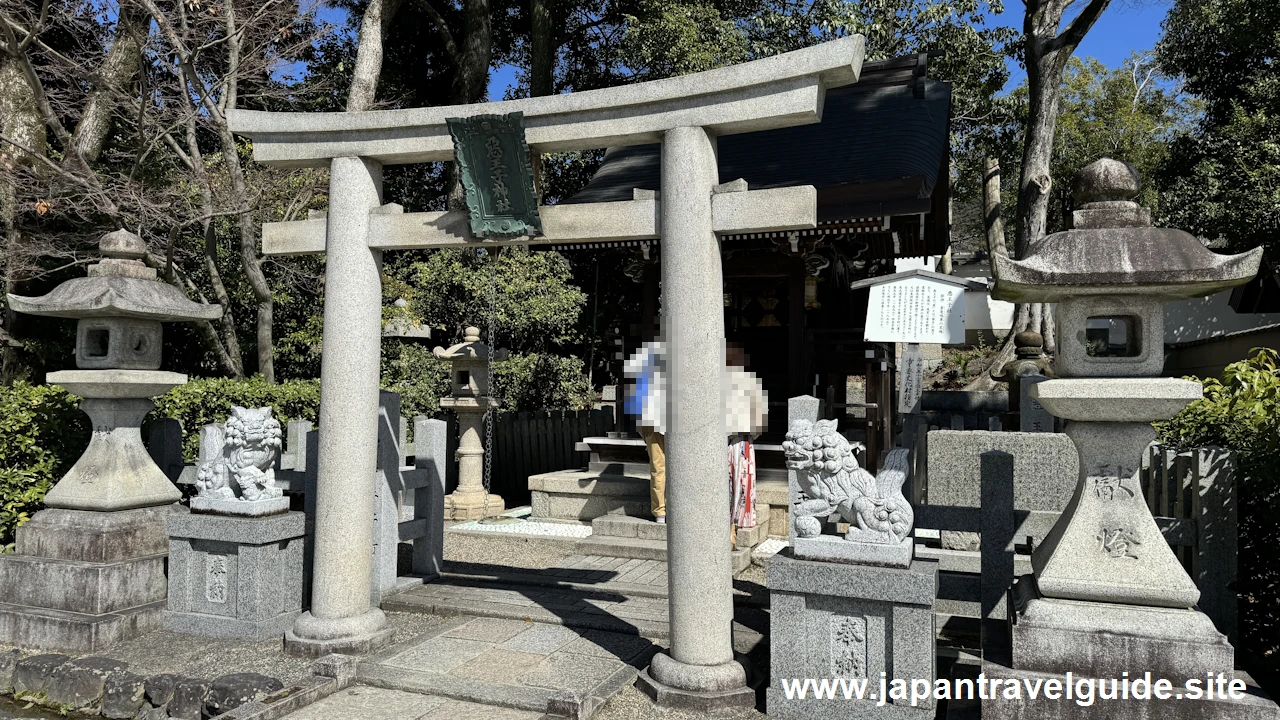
(1107,180)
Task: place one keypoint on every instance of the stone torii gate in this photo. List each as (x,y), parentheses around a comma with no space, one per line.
(685,114)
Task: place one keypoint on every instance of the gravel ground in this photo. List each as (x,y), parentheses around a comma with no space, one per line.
(194,656)
(631,704)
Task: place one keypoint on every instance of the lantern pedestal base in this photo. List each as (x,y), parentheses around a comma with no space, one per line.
(472,506)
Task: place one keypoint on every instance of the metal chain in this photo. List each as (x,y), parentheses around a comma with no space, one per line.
(491,411)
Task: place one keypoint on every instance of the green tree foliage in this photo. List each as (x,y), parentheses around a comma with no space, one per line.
(1131,113)
(675,37)
(535,313)
(42,432)
(1222,180)
(1241,411)
(536,306)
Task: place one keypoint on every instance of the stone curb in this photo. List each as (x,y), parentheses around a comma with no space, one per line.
(102,686)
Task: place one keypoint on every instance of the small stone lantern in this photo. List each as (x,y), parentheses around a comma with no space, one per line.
(89,570)
(470,399)
(1108,594)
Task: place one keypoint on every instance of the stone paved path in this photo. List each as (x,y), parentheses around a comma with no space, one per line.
(646,578)
(370,703)
(588,591)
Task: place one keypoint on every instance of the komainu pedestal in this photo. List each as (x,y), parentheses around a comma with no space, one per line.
(849,604)
(235,576)
(835,621)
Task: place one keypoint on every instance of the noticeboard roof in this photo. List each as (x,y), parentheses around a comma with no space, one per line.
(964,282)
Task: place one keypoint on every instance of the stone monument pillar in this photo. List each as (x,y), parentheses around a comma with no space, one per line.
(235,560)
(1108,596)
(89,570)
(470,399)
(849,606)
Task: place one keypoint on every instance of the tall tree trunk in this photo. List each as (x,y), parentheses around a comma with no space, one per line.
(21,121)
(542,49)
(471,76)
(992,219)
(542,69)
(117,70)
(240,198)
(373,31)
(1048,46)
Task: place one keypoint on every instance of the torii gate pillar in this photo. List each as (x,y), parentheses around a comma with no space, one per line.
(699,671)
(342,618)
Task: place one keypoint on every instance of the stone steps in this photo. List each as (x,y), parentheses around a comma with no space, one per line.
(581,495)
(583,609)
(622,536)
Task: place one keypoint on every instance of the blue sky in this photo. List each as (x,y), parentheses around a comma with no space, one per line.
(1125,27)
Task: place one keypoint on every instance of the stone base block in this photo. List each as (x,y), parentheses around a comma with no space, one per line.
(314,637)
(245,508)
(811,709)
(81,587)
(833,548)
(83,579)
(705,701)
(99,537)
(834,620)
(1105,639)
(219,626)
(235,576)
(472,507)
(1254,706)
(44,629)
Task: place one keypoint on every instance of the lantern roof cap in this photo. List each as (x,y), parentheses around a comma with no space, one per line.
(120,286)
(1112,249)
(471,347)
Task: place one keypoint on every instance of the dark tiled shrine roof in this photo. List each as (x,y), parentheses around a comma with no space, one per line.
(878,150)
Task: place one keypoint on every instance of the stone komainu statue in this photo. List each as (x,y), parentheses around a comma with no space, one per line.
(832,484)
(250,447)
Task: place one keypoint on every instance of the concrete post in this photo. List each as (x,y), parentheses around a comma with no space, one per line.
(341,618)
(700,670)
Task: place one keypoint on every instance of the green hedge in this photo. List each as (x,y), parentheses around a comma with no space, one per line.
(1241,411)
(42,433)
(205,401)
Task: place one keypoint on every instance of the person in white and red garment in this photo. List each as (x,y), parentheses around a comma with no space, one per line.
(746,412)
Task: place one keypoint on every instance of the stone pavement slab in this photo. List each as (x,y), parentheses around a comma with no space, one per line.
(513,664)
(371,703)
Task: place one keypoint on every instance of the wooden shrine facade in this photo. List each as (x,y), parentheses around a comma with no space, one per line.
(879,161)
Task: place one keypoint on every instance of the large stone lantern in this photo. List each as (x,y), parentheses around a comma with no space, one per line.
(1108,595)
(470,399)
(89,570)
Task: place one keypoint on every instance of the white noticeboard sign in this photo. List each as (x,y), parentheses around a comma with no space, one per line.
(916,310)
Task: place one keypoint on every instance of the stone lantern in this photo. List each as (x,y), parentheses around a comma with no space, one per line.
(470,399)
(89,570)
(1108,595)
